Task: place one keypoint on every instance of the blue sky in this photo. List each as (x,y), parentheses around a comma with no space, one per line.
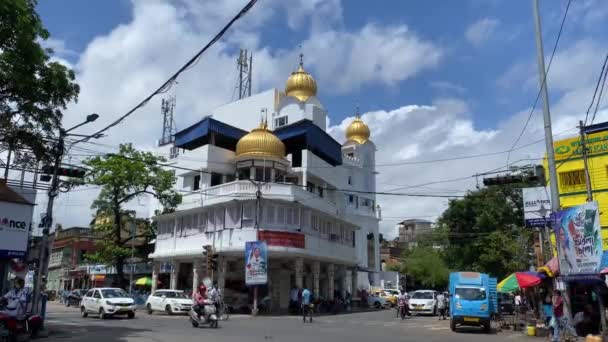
(434,79)
(472,70)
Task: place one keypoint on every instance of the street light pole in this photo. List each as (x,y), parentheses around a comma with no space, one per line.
(48,219)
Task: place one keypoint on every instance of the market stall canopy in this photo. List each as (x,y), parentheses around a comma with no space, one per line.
(519,280)
(551,268)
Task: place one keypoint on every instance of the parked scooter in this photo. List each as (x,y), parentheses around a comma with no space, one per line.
(208,316)
(12,329)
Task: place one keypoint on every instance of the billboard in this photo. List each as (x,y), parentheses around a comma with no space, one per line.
(282,239)
(537,206)
(15,222)
(579,239)
(256,263)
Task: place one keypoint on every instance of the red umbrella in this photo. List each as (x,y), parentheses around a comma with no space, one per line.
(518,280)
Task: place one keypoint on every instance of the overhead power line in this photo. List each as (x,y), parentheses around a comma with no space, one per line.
(165,86)
(544,82)
(602,78)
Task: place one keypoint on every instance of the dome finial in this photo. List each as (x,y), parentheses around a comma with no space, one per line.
(357,131)
(300,83)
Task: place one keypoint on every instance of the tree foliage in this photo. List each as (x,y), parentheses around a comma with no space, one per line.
(426,266)
(123,177)
(485,232)
(33,89)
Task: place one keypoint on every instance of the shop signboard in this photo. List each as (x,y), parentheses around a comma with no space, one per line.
(579,239)
(15,222)
(537,206)
(256,263)
(282,239)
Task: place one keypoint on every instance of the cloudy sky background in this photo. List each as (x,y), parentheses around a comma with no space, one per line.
(433,79)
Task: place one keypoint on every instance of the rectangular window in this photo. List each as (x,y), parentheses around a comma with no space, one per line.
(572,180)
(281,215)
(219,218)
(216,179)
(279,122)
(244,173)
(320,190)
(305,224)
(310,187)
(202,222)
(314,222)
(248,215)
(269,217)
(197,182)
(350,180)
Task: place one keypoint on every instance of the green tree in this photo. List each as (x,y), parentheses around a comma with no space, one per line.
(123,177)
(426,266)
(33,90)
(485,233)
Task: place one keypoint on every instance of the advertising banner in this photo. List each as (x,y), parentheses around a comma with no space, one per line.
(256,263)
(282,239)
(579,239)
(15,222)
(537,206)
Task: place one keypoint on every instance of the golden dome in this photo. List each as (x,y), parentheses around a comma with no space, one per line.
(260,143)
(301,84)
(357,131)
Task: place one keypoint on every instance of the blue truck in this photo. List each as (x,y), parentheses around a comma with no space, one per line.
(473,299)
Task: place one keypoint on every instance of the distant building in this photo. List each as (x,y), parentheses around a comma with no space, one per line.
(390,251)
(409,231)
(68,253)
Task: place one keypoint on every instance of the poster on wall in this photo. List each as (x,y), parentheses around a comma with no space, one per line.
(579,239)
(256,263)
(537,206)
(15,222)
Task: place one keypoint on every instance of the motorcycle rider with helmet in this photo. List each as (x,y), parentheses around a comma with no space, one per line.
(201,298)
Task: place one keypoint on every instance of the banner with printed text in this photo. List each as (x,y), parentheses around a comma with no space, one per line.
(256,263)
(579,239)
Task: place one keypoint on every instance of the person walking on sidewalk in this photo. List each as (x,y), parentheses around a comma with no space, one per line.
(441,305)
(306,304)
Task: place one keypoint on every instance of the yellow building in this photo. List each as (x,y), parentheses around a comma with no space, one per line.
(571,174)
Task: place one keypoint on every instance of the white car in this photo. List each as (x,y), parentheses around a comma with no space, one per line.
(106,302)
(423,301)
(169,301)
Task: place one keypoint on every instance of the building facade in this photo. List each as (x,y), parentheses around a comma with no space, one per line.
(282,179)
(67,255)
(409,230)
(572,182)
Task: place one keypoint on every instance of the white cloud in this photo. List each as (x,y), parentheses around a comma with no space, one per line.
(481,30)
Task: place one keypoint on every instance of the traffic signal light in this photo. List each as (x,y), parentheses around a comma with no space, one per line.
(73,172)
(213,261)
(503,180)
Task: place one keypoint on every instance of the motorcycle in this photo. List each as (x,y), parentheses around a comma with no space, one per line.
(12,329)
(403,308)
(209,316)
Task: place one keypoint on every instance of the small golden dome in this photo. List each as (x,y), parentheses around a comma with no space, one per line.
(357,131)
(260,143)
(301,84)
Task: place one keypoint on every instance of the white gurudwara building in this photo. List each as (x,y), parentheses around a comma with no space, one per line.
(282,179)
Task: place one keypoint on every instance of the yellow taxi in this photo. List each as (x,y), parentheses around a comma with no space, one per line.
(391,296)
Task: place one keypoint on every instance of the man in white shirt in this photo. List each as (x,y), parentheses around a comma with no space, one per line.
(16,300)
(441,305)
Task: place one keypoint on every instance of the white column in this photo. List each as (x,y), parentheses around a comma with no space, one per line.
(330,281)
(173,277)
(316,270)
(355,282)
(221,273)
(155,266)
(347,281)
(299,267)
(196,271)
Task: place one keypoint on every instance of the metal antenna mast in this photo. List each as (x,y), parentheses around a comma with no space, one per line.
(245,65)
(168,124)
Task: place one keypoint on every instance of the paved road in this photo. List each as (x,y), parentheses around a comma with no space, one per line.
(65,324)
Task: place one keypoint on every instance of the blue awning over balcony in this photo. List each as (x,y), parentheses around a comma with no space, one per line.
(208,131)
(304,134)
